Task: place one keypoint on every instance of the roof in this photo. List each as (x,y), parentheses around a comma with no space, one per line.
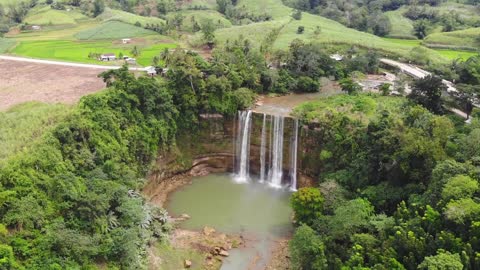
(108,54)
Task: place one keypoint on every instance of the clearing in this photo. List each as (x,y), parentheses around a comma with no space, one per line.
(21,82)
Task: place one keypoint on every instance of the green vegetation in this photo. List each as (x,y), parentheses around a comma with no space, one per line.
(399,189)
(462,39)
(22,125)
(112,30)
(49,16)
(5,44)
(175,258)
(401,27)
(126,17)
(79,51)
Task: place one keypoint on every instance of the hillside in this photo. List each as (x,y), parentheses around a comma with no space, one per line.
(462,39)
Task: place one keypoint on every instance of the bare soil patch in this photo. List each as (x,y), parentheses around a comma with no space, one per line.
(21,82)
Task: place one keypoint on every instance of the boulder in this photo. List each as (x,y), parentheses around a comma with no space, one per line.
(223,253)
(187,263)
(207,231)
(185,216)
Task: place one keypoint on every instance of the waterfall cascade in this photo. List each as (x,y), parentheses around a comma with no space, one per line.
(293,157)
(263,149)
(276,168)
(270,149)
(243,145)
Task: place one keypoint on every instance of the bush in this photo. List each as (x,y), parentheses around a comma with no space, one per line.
(307,203)
(306,84)
(300,30)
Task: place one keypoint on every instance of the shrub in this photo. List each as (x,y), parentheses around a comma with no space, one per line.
(300,30)
(307,203)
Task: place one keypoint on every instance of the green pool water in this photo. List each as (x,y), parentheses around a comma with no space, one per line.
(251,209)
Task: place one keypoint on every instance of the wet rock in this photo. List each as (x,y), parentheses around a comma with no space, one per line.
(187,263)
(223,253)
(207,231)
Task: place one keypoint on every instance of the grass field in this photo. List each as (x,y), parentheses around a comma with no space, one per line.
(6,44)
(113,30)
(452,54)
(78,51)
(460,39)
(126,17)
(22,125)
(401,27)
(44,15)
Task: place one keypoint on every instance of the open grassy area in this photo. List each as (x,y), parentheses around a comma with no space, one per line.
(126,17)
(78,51)
(174,258)
(457,39)
(113,30)
(44,15)
(452,54)
(22,125)
(360,107)
(401,27)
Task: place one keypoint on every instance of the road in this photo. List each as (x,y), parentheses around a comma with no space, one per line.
(415,72)
(59,63)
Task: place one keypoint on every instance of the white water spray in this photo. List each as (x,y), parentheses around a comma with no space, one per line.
(293,157)
(243,146)
(263,149)
(276,170)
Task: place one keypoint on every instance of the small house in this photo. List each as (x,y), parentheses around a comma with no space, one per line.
(108,57)
(126,40)
(151,71)
(336,57)
(36,27)
(131,61)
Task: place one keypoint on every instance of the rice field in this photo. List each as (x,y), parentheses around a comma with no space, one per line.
(78,51)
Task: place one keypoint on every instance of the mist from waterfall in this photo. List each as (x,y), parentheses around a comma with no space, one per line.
(293,157)
(243,146)
(276,167)
(263,148)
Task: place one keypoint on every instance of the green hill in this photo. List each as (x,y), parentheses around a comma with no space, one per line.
(45,15)
(126,17)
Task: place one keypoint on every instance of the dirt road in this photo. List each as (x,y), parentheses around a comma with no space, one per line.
(59,63)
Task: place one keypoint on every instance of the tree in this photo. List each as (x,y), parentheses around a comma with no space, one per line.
(307,203)
(300,29)
(98,7)
(459,187)
(442,261)
(350,86)
(306,84)
(385,89)
(297,14)
(208,31)
(135,51)
(307,250)
(427,92)
(222,5)
(421,28)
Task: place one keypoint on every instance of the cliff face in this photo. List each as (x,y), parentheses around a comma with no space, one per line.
(210,148)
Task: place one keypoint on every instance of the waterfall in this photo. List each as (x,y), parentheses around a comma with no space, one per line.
(263,148)
(293,157)
(276,169)
(243,145)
